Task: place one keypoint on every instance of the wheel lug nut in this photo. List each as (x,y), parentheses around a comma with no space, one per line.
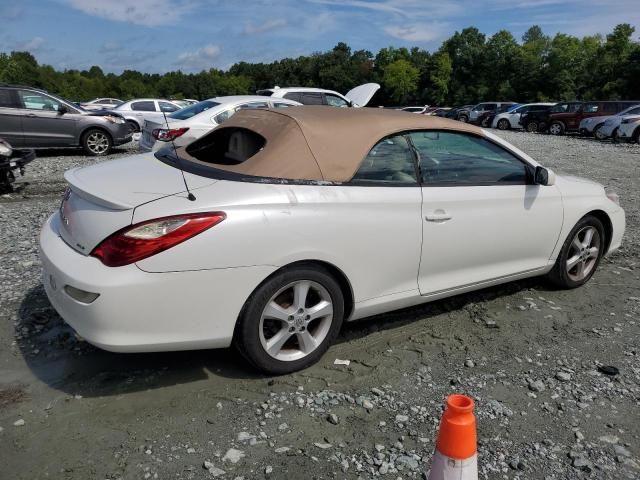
(290,317)
(291,329)
(301,310)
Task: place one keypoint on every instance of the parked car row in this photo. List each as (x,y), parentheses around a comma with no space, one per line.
(618,120)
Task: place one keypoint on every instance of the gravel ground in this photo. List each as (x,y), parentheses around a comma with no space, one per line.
(528,354)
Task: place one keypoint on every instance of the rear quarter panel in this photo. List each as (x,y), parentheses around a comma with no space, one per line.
(372,234)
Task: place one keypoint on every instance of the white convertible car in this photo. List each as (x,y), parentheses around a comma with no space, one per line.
(295,220)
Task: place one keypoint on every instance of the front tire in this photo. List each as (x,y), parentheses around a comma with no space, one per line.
(503,124)
(133,127)
(463,118)
(290,320)
(96,142)
(580,255)
(556,128)
(597,133)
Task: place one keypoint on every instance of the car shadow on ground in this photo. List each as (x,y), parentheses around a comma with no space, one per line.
(75,152)
(58,358)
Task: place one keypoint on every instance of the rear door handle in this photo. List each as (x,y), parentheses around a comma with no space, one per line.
(438,216)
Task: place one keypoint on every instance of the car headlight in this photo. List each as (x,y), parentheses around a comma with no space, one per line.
(612,195)
(627,120)
(114,119)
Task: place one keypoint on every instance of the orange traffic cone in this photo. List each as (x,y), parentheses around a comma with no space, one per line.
(456,448)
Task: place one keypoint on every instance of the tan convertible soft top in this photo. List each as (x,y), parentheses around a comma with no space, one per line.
(318,142)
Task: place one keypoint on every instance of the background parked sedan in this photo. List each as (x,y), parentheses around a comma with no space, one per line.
(609,127)
(137,111)
(184,126)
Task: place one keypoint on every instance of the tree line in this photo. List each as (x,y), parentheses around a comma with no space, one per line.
(468,67)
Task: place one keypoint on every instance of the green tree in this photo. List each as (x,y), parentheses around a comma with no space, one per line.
(401,79)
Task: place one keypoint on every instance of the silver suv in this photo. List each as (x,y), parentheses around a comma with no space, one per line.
(34,118)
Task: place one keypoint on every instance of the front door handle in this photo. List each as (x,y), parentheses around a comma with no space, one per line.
(438,216)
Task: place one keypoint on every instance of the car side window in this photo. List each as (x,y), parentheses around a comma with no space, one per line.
(37,101)
(143,106)
(391,161)
(7,98)
(282,105)
(295,96)
(336,101)
(253,105)
(590,108)
(168,107)
(311,99)
(221,117)
(458,159)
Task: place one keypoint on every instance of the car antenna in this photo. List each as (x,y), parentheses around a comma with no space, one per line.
(190,195)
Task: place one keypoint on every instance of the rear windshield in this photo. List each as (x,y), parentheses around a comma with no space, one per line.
(227,146)
(192,110)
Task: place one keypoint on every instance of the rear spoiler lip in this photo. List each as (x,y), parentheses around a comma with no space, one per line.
(103,200)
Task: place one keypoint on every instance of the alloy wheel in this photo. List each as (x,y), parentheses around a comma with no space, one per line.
(583,253)
(98,143)
(296,320)
(555,129)
(532,127)
(503,124)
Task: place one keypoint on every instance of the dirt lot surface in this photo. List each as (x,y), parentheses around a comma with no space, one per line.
(528,354)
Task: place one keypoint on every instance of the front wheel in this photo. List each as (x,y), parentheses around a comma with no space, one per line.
(290,321)
(96,142)
(556,128)
(463,118)
(598,134)
(580,255)
(503,124)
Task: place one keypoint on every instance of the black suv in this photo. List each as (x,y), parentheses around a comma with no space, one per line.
(34,118)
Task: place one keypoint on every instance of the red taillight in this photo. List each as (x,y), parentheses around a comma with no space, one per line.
(165,135)
(142,240)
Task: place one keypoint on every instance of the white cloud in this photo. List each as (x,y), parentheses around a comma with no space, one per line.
(267,26)
(418,32)
(199,59)
(32,45)
(149,13)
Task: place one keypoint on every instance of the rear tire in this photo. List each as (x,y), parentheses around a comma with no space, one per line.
(532,127)
(580,254)
(503,124)
(278,331)
(463,118)
(96,142)
(556,128)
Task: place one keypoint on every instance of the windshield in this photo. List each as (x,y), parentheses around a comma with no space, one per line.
(193,110)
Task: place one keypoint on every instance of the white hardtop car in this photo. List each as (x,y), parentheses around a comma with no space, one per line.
(611,126)
(356,97)
(591,125)
(629,130)
(190,123)
(511,118)
(101,103)
(288,222)
(137,111)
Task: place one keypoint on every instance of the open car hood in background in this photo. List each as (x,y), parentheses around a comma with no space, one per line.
(362,94)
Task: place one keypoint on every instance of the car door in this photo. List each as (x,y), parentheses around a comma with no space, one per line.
(483,219)
(386,187)
(516,115)
(10,118)
(43,125)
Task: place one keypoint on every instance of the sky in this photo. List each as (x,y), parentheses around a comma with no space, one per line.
(191,35)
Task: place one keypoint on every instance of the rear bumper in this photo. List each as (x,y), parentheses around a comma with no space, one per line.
(139,311)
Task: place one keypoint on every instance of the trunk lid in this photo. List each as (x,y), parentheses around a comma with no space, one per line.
(362,94)
(101,198)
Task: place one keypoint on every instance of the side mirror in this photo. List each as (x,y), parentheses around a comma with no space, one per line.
(544,176)
(62,109)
